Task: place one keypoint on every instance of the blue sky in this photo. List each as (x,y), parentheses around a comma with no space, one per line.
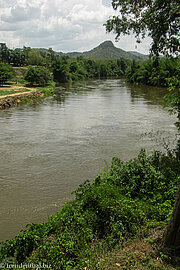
(106,3)
(71,25)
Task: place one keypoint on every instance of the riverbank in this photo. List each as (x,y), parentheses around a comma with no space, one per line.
(17,99)
(105,218)
(21,95)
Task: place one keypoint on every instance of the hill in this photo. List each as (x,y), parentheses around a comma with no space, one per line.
(105,50)
(137,54)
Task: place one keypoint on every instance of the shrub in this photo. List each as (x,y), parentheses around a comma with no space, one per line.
(37,76)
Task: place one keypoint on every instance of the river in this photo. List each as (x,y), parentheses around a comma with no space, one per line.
(49,148)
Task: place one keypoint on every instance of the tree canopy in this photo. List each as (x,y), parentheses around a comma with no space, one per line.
(158,19)
(6,73)
(37,76)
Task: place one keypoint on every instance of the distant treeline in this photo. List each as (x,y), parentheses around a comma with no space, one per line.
(159,72)
(155,72)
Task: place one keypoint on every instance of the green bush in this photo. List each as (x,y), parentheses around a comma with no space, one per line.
(39,76)
(146,177)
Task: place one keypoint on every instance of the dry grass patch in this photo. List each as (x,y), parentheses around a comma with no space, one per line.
(138,254)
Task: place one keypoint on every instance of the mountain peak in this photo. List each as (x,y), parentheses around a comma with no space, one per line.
(107,50)
(107,44)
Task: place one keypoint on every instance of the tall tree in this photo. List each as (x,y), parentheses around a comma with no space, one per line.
(172,240)
(4,53)
(6,73)
(34,58)
(61,69)
(17,57)
(158,19)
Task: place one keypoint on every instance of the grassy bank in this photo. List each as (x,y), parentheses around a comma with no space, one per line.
(9,90)
(18,94)
(17,91)
(120,207)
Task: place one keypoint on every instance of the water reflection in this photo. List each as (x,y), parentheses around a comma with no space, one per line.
(153,95)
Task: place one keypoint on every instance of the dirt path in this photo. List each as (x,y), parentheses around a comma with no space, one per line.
(16,88)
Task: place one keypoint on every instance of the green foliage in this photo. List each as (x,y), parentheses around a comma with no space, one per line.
(77,70)
(6,73)
(17,57)
(65,69)
(37,76)
(49,89)
(109,210)
(33,57)
(159,72)
(147,178)
(60,70)
(143,17)
(4,53)
(173,98)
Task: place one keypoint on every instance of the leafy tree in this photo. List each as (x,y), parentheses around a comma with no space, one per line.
(172,240)
(155,18)
(4,53)
(73,66)
(26,51)
(61,70)
(91,67)
(122,65)
(34,58)
(51,54)
(77,70)
(6,73)
(17,57)
(37,76)
(131,71)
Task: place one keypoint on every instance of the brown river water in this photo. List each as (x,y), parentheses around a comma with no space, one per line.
(49,148)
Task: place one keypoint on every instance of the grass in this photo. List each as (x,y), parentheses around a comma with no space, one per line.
(142,252)
(47,90)
(19,86)
(13,90)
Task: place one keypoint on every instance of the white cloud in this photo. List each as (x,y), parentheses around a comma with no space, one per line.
(20,14)
(71,25)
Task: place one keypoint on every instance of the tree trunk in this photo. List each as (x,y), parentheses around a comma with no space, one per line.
(172,240)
